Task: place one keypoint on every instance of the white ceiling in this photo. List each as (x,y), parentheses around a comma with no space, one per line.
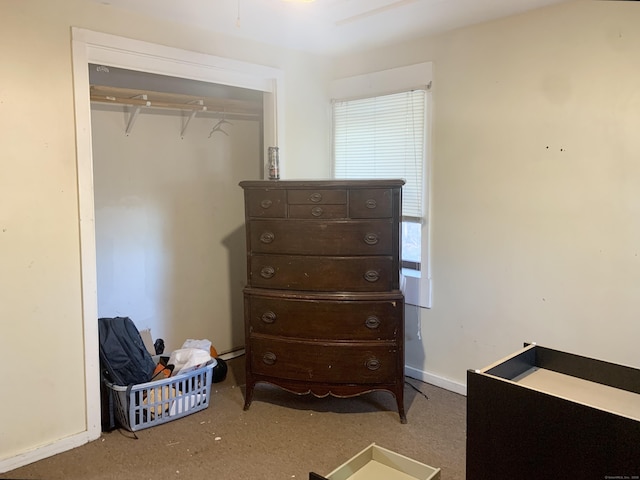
(330,27)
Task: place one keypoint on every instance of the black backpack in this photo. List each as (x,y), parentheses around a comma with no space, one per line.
(124,360)
(123,357)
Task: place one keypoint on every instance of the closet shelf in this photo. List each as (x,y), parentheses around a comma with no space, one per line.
(188,103)
(142,99)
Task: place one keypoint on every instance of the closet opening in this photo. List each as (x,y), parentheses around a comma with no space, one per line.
(168,154)
(172,213)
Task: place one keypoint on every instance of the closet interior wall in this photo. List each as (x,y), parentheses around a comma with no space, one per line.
(169,213)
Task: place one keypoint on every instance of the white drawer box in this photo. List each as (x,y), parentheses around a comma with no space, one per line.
(377,463)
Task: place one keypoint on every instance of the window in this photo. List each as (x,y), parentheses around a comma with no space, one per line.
(386,136)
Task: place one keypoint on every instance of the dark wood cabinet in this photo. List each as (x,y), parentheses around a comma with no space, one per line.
(324,313)
(544,414)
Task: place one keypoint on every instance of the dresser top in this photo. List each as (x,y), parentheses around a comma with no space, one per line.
(332,183)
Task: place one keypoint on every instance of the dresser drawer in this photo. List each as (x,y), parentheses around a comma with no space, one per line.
(266,203)
(370,203)
(318,211)
(316,197)
(356,237)
(327,320)
(324,362)
(323,274)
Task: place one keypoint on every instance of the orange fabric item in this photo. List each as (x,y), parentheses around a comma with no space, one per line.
(160,372)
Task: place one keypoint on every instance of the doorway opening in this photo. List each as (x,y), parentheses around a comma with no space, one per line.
(122,53)
(168,155)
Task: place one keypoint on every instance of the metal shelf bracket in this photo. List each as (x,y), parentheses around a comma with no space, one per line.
(192,114)
(135,113)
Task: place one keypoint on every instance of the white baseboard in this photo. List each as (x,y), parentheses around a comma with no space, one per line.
(232,354)
(432,379)
(45,451)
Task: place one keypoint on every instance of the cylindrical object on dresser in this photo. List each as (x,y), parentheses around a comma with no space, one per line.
(274,163)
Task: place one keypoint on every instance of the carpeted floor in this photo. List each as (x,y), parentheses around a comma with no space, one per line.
(282,436)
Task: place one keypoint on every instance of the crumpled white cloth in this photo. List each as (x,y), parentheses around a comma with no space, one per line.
(201,344)
(188,359)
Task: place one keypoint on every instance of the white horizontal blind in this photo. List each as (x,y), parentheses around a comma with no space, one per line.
(383,137)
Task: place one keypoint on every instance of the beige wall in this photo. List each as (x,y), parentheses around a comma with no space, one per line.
(535,200)
(40,285)
(40,303)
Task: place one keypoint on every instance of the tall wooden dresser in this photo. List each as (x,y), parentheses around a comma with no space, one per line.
(324,313)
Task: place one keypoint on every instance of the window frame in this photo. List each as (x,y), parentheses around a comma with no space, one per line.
(416,285)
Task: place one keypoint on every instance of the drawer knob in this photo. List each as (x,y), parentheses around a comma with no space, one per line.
(371,276)
(269,358)
(372,322)
(268,317)
(371,203)
(315,197)
(267,237)
(266,203)
(371,239)
(267,272)
(373,363)
(317,211)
